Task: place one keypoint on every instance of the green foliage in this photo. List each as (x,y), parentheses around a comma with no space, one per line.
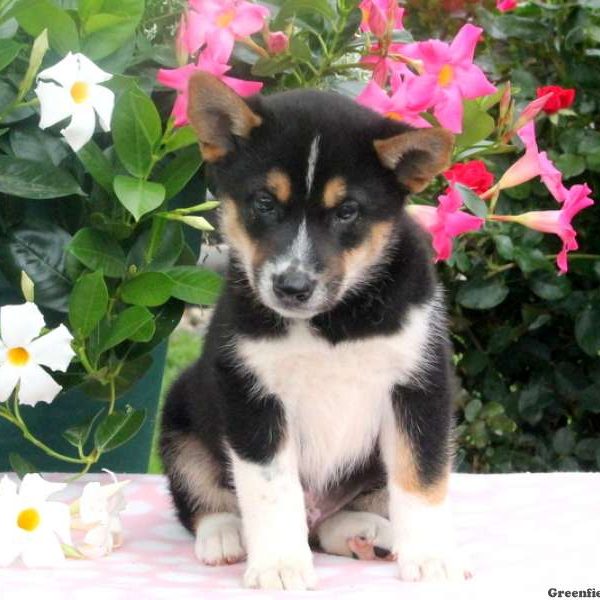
(97,231)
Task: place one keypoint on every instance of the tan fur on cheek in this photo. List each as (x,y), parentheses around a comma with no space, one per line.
(360,259)
(334,192)
(279,183)
(249,252)
(406,475)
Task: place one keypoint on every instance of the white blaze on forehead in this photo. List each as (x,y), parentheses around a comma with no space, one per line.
(301,245)
(313,155)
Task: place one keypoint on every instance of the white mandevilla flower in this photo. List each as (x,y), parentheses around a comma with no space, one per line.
(70,89)
(21,354)
(99,513)
(31,526)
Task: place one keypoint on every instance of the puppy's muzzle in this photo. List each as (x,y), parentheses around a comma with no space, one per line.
(293,287)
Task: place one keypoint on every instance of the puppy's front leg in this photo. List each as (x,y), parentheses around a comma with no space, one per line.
(415,445)
(274,520)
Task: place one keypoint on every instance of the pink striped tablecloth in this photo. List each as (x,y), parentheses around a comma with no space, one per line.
(525,533)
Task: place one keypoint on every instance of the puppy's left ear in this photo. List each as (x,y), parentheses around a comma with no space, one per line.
(218,115)
(417,155)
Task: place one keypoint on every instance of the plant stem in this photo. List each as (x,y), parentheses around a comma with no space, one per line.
(18,421)
(113,396)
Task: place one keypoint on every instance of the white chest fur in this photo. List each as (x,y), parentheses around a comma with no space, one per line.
(335,396)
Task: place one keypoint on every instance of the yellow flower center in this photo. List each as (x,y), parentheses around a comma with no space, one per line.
(226,17)
(80,91)
(18,357)
(28,519)
(396,116)
(446,75)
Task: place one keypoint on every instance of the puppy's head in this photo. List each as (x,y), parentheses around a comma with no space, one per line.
(312,187)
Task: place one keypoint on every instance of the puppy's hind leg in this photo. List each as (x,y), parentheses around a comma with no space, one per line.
(204,505)
(359,534)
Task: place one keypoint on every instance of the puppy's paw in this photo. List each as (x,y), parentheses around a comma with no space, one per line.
(449,565)
(363,535)
(292,574)
(219,540)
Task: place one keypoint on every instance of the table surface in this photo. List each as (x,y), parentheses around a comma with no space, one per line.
(525,533)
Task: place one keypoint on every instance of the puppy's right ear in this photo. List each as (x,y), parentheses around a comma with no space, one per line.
(217,114)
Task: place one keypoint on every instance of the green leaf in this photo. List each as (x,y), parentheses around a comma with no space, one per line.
(88,303)
(472,201)
(181,138)
(79,434)
(98,252)
(32,143)
(504,246)
(97,165)
(531,259)
(21,466)
(550,286)
(587,330)
(268,67)
(291,8)
(8,52)
(147,289)
(195,285)
(477,125)
(136,131)
(563,441)
(38,248)
(108,25)
(34,180)
(158,247)
(118,428)
(178,172)
(138,196)
(482,294)
(570,165)
(472,409)
(135,323)
(36,15)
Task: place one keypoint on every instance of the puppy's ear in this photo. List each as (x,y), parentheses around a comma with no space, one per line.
(417,155)
(218,114)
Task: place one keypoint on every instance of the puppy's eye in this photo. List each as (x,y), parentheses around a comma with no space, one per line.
(264,204)
(347,212)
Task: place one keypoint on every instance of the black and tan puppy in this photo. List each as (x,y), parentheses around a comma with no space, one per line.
(320,410)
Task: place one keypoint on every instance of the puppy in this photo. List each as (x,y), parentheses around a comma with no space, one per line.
(320,412)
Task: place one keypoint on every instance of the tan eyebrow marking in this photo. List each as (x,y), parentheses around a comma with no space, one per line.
(279,183)
(334,192)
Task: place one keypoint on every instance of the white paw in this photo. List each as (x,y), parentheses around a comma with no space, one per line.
(296,574)
(364,535)
(433,566)
(219,540)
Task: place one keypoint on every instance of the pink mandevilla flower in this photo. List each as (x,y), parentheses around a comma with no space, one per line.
(559,222)
(445,222)
(400,106)
(450,75)
(506,5)
(394,65)
(178,79)
(218,23)
(532,164)
(380,16)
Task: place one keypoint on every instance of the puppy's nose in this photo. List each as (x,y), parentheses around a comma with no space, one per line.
(293,285)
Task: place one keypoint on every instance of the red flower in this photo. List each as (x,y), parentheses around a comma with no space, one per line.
(561,98)
(472,174)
